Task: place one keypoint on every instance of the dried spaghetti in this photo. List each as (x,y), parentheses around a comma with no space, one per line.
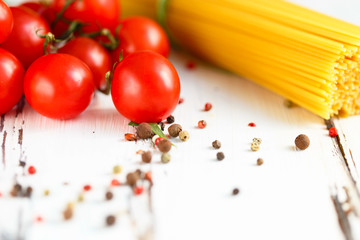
(305,56)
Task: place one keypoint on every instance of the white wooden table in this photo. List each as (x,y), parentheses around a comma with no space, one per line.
(311,194)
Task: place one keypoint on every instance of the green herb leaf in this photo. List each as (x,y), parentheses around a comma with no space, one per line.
(134,124)
(157,130)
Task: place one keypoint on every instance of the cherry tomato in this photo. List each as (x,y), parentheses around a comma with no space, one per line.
(93,54)
(11,80)
(23,41)
(6,21)
(146,87)
(96,13)
(140,33)
(49,14)
(59,86)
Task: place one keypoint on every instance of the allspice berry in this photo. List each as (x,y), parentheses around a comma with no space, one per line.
(131,179)
(146,157)
(302,142)
(110,220)
(259,161)
(220,156)
(216,144)
(164,146)
(165,158)
(144,131)
(68,213)
(109,195)
(184,136)
(174,130)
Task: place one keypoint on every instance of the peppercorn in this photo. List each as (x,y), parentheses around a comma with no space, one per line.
(216,144)
(110,220)
(170,119)
(165,158)
(28,192)
(252,124)
(87,187)
(257,140)
(158,140)
(162,126)
(31,170)
(259,161)
(115,182)
(130,137)
(220,156)
(184,136)
(333,132)
(255,146)
(174,130)
(68,213)
(202,124)
(117,169)
(144,131)
(138,190)
(138,173)
(146,157)
(164,146)
(235,191)
(46,192)
(131,179)
(16,190)
(109,195)
(80,197)
(302,142)
(208,107)
(22,163)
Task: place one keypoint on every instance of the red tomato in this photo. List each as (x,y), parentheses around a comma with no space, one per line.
(11,80)
(93,54)
(140,33)
(97,13)
(23,41)
(59,86)
(6,21)
(49,14)
(146,87)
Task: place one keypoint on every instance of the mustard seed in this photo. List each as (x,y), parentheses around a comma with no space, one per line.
(302,142)
(184,136)
(144,131)
(146,157)
(216,144)
(165,158)
(174,130)
(164,146)
(220,156)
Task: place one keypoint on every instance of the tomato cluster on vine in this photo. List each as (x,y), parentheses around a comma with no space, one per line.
(59,54)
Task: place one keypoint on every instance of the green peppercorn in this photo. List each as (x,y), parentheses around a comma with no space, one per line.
(184,136)
(165,158)
(117,169)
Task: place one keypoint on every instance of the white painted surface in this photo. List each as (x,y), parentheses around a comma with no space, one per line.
(289,197)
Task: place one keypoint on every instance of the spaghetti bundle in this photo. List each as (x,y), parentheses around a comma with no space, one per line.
(307,57)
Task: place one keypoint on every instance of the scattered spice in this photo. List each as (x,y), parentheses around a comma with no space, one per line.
(208,106)
(46,192)
(174,130)
(144,131)
(87,188)
(146,157)
(181,100)
(170,119)
(289,104)
(31,170)
(28,192)
(22,163)
(252,124)
(109,195)
(115,182)
(38,219)
(110,220)
(16,190)
(257,140)
(131,179)
(259,161)
(68,213)
(302,142)
(1,195)
(130,137)
(165,158)
(235,191)
(202,124)
(148,176)
(117,169)
(216,144)
(162,125)
(333,132)
(220,156)
(138,173)
(184,136)
(158,140)
(138,190)
(80,197)
(255,146)
(190,65)
(164,146)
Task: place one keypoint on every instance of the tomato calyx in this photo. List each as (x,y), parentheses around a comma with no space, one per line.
(49,40)
(109,76)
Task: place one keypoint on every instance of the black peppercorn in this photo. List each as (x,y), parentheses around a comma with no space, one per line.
(170,119)
(220,156)
(302,142)
(235,191)
(110,220)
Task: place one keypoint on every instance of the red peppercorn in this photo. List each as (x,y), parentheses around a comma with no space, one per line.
(138,190)
(130,137)
(190,65)
(333,132)
(181,100)
(31,170)
(148,176)
(87,188)
(252,124)
(0,194)
(38,219)
(202,124)
(208,107)
(158,140)
(115,182)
